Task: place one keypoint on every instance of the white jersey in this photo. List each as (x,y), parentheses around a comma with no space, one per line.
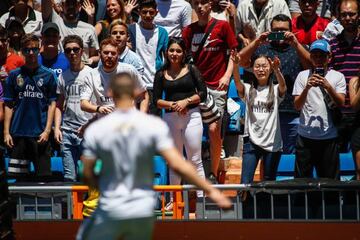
(315,119)
(126,144)
(263,128)
(97,83)
(70,85)
(173,15)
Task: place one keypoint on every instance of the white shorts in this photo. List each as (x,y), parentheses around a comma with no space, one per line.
(97,227)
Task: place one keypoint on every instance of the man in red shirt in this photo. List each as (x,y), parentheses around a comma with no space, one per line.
(213,62)
(308,27)
(8,60)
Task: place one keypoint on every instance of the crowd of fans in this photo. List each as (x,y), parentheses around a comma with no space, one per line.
(301,82)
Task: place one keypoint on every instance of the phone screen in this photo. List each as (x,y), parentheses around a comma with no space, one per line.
(276,36)
(320,71)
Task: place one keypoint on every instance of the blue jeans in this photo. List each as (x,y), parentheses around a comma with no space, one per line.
(251,157)
(70,151)
(289,123)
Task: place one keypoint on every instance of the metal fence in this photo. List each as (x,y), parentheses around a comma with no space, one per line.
(284,201)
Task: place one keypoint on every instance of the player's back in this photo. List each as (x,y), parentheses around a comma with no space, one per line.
(126,142)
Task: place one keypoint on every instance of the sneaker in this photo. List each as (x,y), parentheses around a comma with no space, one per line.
(212,178)
(169,207)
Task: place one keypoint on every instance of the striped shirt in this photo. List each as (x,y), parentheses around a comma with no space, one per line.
(345,59)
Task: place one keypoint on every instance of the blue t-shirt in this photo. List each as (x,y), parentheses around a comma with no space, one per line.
(58,65)
(31,93)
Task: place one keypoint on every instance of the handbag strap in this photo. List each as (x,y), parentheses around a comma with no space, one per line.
(327,99)
(203,40)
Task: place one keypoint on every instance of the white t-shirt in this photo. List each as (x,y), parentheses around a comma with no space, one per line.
(32,24)
(264,129)
(97,83)
(146,45)
(84,30)
(126,145)
(315,120)
(173,15)
(70,85)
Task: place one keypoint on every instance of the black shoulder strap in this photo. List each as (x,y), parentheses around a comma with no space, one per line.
(203,40)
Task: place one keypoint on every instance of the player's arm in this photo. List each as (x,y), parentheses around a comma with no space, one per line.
(186,170)
(89,176)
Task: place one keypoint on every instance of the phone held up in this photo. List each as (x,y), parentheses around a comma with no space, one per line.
(276,36)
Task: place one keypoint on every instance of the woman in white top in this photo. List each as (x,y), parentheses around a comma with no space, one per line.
(262,123)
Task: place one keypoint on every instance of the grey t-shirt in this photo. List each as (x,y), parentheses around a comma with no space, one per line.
(126,141)
(315,119)
(82,29)
(70,85)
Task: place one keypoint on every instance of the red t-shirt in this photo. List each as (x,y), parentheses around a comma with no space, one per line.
(306,35)
(212,60)
(13,61)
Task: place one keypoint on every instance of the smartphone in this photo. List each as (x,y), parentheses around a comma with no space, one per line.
(276,36)
(320,71)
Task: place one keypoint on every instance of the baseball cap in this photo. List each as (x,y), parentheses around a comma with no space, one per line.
(321,45)
(12,20)
(50,25)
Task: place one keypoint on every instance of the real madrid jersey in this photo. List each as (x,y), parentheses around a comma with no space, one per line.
(31,92)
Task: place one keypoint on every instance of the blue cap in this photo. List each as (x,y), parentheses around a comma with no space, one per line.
(321,45)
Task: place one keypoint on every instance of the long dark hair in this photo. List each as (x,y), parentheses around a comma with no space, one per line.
(254,86)
(181,43)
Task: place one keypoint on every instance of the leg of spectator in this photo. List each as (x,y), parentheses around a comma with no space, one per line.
(19,163)
(271,163)
(215,145)
(192,141)
(303,158)
(250,160)
(67,152)
(174,122)
(42,160)
(289,125)
(328,165)
(355,147)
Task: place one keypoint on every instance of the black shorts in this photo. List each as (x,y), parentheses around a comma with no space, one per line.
(28,150)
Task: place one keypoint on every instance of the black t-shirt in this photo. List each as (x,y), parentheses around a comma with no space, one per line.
(184,87)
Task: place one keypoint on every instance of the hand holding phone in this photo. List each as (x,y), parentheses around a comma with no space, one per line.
(320,71)
(276,36)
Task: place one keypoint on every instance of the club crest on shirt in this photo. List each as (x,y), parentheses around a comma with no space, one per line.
(40,82)
(20,80)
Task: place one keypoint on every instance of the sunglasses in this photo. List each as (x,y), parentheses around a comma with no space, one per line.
(34,50)
(151,12)
(69,50)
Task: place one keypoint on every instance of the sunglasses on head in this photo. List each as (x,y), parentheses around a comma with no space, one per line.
(35,50)
(69,50)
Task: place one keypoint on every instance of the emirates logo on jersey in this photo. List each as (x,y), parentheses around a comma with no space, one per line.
(20,80)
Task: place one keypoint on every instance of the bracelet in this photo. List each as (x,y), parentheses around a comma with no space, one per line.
(98,108)
(189,100)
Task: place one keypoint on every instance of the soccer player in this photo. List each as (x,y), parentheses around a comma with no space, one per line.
(126,143)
